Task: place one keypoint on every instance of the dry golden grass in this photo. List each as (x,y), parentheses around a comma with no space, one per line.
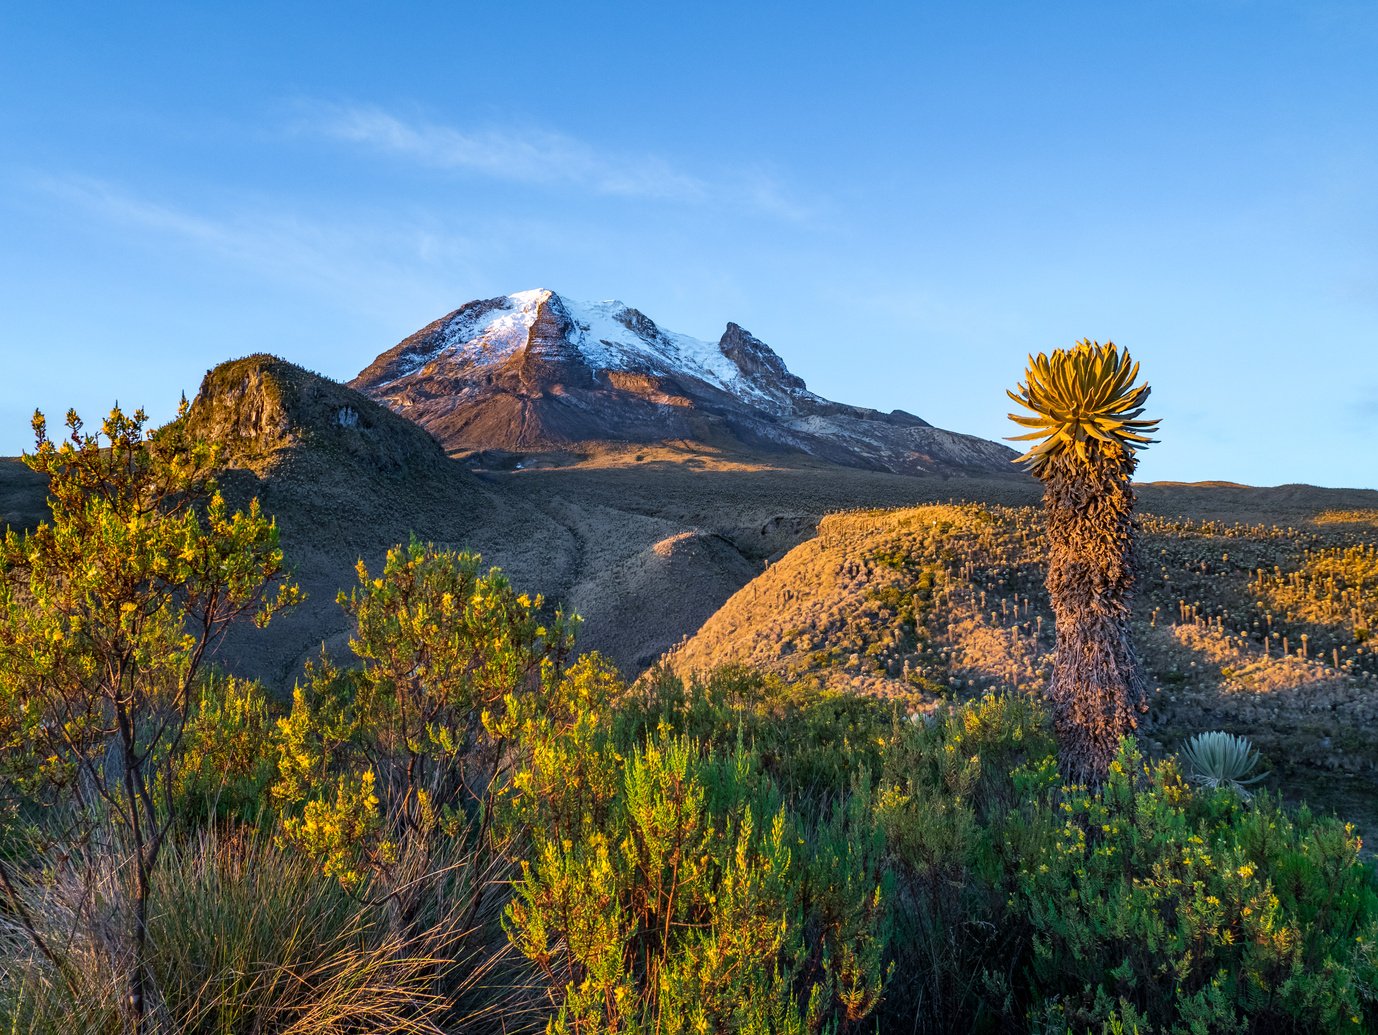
(246,936)
(948,599)
(1365,516)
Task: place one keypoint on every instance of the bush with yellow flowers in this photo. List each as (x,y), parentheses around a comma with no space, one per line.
(381,762)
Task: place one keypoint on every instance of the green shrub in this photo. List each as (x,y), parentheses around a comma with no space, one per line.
(108,613)
(227,761)
(1198,912)
(948,787)
(381,763)
(809,740)
(694,901)
(1024,903)
(847,896)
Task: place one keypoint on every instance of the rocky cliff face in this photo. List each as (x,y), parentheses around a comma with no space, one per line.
(261,408)
(535,372)
(760,365)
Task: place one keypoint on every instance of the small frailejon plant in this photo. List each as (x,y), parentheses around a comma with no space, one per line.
(1220,759)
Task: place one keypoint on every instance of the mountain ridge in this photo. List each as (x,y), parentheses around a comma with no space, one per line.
(535,371)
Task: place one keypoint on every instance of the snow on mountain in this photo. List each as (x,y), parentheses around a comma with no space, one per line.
(608,335)
(535,371)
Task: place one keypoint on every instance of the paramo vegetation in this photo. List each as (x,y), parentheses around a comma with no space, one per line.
(466,826)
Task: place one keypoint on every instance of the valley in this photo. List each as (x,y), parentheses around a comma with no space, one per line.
(811,569)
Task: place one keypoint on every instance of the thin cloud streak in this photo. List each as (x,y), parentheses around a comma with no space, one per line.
(1365,408)
(543,157)
(531,156)
(351,264)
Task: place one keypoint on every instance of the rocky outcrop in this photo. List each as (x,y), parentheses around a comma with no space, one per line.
(549,358)
(260,408)
(759,363)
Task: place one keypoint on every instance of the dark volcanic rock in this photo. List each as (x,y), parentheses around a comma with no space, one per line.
(758,362)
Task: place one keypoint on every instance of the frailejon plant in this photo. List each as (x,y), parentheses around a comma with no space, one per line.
(1220,759)
(107,614)
(1087,417)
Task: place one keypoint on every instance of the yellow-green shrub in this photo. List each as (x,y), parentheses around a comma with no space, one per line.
(810,740)
(379,762)
(1198,910)
(692,900)
(227,760)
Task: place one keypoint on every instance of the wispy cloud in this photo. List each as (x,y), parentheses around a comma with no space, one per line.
(349,262)
(1365,408)
(527,156)
(541,156)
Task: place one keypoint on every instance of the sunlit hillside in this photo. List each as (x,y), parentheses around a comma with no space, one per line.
(1260,630)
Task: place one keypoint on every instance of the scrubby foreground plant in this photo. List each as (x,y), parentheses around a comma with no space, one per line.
(671,887)
(465,830)
(246,938)
(692,869)
(383,763)
(108,613)
(1165,909)
(1087,417)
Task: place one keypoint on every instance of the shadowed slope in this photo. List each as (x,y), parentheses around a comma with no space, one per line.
(23,495)
(345,479)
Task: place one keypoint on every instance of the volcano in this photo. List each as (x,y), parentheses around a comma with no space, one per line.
(535,372)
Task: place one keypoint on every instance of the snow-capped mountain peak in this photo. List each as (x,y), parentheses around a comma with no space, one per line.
(606,336)
(535,371)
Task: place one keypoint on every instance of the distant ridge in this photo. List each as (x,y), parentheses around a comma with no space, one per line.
(534,371)
(1210,484)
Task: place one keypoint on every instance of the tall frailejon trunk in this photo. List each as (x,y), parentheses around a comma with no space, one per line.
(1087,413)
(1097,687)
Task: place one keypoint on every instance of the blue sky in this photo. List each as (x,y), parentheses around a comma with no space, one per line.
(903,200)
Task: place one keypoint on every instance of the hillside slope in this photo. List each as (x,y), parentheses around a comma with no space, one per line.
(645,546)
(1257,629)
(344,478)
(645,554)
